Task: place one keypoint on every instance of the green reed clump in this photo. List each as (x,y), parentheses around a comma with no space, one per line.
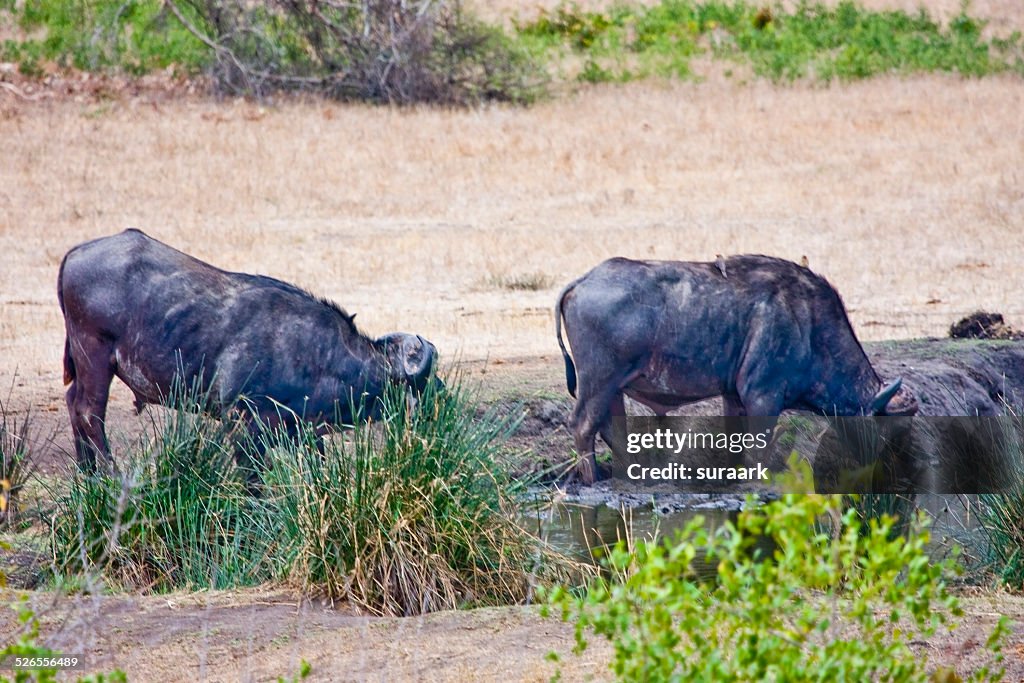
(409,514)
(177,514)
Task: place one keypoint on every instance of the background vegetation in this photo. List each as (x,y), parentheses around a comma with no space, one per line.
(381,51)
(428,51)
(813,41)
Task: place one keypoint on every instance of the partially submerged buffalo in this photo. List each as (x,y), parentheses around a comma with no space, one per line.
(137,309)
(764,333)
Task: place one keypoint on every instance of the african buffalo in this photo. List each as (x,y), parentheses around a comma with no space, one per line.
(764,333)
(137,309)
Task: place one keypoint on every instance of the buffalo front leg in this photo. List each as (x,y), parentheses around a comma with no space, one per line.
(762,414)
(736,422)
(614,431)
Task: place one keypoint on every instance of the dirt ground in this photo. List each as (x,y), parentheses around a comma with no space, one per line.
(260,634)
(907,193)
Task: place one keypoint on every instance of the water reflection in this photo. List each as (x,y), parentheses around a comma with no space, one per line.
(586,531)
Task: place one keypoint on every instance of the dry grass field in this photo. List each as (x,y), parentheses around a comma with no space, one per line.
(907,193)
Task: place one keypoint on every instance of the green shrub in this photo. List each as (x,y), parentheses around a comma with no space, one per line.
(392,51)
(839,603)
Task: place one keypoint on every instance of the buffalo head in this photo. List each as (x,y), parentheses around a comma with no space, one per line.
(410,359)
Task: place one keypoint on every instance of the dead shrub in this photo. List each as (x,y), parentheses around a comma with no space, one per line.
(387,51)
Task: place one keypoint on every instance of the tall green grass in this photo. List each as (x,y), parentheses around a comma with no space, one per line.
(177,515)
(16,461)
(1002,516)
(845,41)
(409,514)
(412,515)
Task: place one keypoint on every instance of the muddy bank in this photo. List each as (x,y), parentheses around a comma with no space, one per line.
(956,376)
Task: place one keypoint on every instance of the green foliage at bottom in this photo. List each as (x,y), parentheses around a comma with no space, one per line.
(805,590)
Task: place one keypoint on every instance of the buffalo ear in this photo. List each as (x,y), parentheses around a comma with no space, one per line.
(882,398)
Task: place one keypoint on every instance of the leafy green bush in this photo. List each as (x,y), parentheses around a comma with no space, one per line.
(845,41)
(838,603)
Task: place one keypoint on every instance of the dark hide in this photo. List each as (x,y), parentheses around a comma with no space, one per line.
(156,318)
(764,333)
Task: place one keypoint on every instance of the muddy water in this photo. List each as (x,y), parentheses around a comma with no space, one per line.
(586,530)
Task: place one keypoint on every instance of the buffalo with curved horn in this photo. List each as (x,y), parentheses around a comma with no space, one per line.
(764,333)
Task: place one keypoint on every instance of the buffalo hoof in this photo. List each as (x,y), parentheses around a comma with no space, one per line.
(586,470)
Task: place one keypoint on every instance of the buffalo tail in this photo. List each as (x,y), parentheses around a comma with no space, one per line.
(69,363)
(570,368)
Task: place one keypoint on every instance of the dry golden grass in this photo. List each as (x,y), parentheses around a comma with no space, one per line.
(906,193)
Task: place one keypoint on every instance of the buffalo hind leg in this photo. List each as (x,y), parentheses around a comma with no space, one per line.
(590,416)
(87,403)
